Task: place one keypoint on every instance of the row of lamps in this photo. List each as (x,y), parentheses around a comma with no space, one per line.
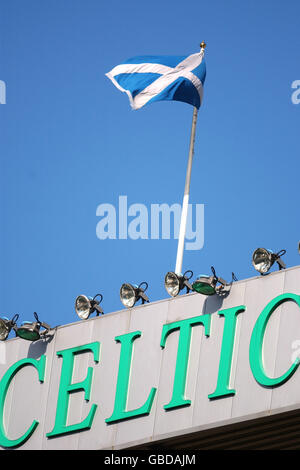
(262,260)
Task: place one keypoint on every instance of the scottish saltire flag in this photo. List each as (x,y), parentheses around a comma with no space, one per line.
(146,79)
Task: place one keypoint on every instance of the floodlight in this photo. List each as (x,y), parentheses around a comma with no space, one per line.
(84,306)
(31,330)
(263,260)
(6,326)
(174,283)
(130,294)
(207,285)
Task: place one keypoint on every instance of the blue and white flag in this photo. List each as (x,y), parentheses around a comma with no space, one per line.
(146,79)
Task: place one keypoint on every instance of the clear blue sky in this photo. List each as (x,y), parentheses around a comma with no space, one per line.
(70,141)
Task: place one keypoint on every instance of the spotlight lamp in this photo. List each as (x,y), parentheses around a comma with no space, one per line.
(85,306)
(6,326)
(130,294)
(31,330)
(263,260)
(208,285)
(174,283)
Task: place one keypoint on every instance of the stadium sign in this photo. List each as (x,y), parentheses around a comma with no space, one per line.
(130,351)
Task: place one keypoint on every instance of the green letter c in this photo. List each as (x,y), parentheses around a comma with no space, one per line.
(256,343)
(4,385)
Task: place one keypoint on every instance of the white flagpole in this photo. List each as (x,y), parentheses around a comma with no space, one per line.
(185,203)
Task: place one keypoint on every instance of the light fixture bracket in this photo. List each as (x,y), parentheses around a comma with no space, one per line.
(31,331)
(95,305)
(207,285)
(140,292)
(185,281)
(263,260)
(277,257)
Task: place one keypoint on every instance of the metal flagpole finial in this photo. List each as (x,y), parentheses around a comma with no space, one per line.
(203,45)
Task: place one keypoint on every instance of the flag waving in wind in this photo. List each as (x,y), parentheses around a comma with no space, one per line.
(146,79)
